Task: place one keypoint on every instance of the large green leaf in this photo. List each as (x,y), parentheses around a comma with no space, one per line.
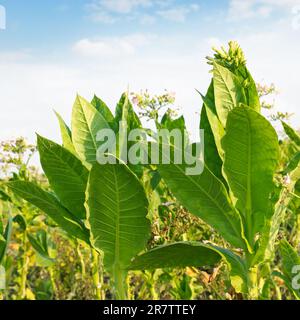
(117,207)
(66,134)
(176,255)
(48,203)
(251,155)
(205,196)
(86,123)
(291,133)
(66,174)
(228,92)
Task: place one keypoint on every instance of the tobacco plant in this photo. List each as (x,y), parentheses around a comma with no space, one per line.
(238,193)
(241,193)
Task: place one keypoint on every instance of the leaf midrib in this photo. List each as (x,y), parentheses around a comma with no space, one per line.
(229,91)
(87,124)
(249,189)
(117,229)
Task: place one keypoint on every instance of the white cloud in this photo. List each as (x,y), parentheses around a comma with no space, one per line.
(111,47)
(147,19)
(145,11)
(246,9)
(178,14)
(103,17)
(124,6)
(104,10)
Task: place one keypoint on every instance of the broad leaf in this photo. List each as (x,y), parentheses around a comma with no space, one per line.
(176,255)
(205,196)
(66,134)
(86,123)
(66,174)
(117,209)
(47,202)
(251,155)
(228,91)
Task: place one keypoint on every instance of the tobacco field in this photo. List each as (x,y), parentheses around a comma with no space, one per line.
(74,229)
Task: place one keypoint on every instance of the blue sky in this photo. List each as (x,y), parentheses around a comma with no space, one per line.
(52,49)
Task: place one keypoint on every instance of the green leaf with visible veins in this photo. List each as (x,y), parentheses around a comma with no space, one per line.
(66,174)
(86,122)
(48,203)
(176,255)
(228,92)
(205,196)
(117,207)
(251,154)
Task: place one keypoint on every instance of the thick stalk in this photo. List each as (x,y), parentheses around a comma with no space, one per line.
(81,259)
(253,291)
(96,275)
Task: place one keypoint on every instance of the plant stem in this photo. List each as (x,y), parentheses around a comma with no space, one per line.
(253,292)
(152,286)
(97,280)
(81,259)
(52,279)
